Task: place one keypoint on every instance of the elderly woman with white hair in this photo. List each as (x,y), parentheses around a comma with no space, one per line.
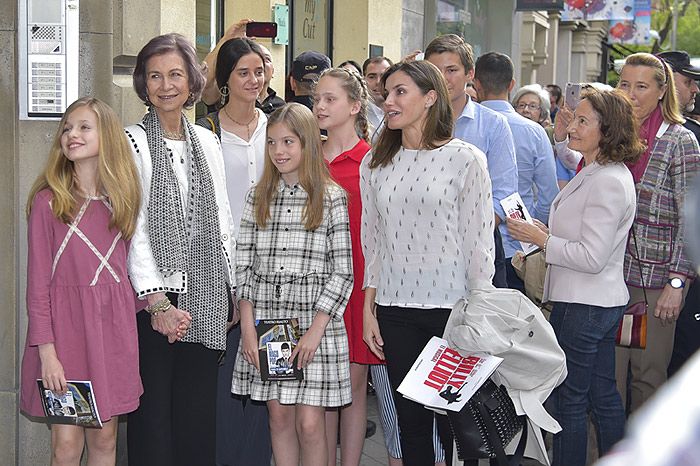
(532,102)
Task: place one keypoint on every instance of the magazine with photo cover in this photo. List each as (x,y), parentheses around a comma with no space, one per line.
(77,406)
(277,338)
(443,379)
(515,208)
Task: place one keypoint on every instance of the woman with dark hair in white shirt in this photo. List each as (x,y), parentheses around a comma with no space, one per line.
(427,232)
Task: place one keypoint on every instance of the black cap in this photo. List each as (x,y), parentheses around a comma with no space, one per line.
(309,65)
(680,63)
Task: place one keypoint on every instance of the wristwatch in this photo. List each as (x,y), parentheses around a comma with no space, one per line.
(676,283)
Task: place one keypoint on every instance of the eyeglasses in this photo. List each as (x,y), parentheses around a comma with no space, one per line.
(531,107)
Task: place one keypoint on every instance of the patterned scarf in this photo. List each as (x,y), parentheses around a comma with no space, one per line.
(190,241)
(647,132)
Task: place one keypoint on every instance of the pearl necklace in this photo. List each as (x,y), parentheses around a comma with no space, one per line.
(247,125)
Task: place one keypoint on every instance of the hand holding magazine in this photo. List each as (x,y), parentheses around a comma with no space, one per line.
(77,406)
(441,378)
(515,208)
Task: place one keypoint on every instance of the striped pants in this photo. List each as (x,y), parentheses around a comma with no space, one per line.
(387,415)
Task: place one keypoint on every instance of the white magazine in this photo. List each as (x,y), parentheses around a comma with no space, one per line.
(515,209)
(443,379)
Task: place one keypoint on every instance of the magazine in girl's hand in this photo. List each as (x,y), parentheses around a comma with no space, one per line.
(77,406)
(515,208)
(277,338)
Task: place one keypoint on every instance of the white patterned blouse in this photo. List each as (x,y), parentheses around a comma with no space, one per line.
(427,226)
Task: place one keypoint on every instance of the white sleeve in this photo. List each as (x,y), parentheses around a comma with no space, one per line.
(143,271)
(569,158)
(476,220)
(370,226)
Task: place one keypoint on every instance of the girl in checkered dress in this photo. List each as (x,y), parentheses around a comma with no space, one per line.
(294,260)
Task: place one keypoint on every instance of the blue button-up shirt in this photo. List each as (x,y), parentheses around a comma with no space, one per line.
(537,177)
(489,131)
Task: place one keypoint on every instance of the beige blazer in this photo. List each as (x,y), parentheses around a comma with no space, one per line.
(589,222)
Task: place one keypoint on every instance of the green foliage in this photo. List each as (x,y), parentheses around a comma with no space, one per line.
(688,32)
(688,37)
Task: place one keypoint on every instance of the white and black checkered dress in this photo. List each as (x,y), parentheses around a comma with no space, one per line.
(286,271)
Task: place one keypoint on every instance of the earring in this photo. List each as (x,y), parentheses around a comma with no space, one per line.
(223,90)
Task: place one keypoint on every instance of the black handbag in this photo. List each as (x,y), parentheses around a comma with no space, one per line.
(487,424)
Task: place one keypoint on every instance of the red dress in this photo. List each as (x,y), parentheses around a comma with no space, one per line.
(79,298)
(345,170)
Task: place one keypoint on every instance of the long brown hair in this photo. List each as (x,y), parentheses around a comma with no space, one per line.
(313,173)
(663,75)
(438,123)
(117,177)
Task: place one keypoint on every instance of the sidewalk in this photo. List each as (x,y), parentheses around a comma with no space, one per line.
(374,452)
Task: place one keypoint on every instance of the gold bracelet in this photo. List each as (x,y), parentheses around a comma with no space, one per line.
(160,306)
(544,246)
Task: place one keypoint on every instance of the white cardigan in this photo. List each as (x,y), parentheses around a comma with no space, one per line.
(143,271)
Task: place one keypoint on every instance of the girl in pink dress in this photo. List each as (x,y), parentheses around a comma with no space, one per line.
(82,325)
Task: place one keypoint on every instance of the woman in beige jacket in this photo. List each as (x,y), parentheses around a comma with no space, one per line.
(584,249)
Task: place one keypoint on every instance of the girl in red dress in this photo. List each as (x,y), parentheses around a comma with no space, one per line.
(82,325)
(340,107)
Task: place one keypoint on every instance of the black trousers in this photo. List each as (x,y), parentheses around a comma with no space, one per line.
(175,423)
(242,426)
(406,331)
(514,282)
(686,341)
(500,278)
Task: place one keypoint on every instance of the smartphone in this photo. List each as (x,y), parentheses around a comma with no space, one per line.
(261,29)
(572,95)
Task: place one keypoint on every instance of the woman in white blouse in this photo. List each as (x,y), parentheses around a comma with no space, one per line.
(427,233)
(242,435)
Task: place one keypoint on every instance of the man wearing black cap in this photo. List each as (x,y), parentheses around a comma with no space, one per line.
(306,68)
(685,76)
(685,341)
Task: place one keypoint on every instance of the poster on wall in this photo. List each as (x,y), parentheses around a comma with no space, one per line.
(311,26)
(635,32)
(598,10)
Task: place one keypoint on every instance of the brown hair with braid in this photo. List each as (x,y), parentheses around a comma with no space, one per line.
(356,88)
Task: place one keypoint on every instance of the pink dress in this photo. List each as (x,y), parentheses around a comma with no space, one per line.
(79,297)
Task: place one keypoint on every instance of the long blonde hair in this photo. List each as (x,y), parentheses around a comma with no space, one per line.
(356,88)
(117,177)
(663,75)
(313,173)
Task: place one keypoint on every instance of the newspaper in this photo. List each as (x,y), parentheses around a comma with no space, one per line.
(443,379)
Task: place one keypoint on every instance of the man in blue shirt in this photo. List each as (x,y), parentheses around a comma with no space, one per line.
(481,127)
(537,179)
